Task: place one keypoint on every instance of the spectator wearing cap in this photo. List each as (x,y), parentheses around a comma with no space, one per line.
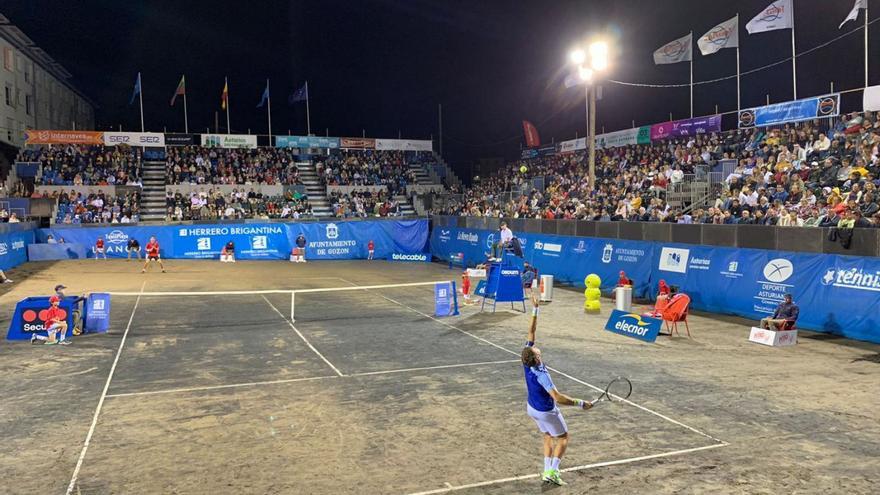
(77,314)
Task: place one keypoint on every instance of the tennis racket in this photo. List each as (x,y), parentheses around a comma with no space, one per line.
(619,389)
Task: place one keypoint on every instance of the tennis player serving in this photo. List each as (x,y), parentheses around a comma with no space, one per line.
(543,398)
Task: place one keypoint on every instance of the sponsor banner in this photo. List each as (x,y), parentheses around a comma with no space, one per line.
(97,312)
(27,169)
(528,154)
(421,257)
(791,111)
(773,338)
(181,139)
(229,140)
(344,240)
(405,144)
(871,99)
(547,150)
(626,137)
(444,299)
(30,316)
(134,138)
(13,248)
(306,142)
(573,145)
(63,137)
(746,282)
(360,143)
(686,127)
(633,325)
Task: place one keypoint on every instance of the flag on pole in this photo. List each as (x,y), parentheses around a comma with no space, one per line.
(181,89)
(531,132)
(854,13)
(724,35)
(301,94)
(137,89)
(778,15)
(675,51)
(224,98)
(265,96)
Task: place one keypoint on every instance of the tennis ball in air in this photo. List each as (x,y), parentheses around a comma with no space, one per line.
(524,169)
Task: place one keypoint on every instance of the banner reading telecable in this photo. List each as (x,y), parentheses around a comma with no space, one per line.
(229,140)
(686,127)
(134,138)
(791,111)
(64,137)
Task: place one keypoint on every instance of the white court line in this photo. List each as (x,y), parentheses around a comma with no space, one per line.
(303,338)
(451,488)
(655,413)
(82,454)
(294,380)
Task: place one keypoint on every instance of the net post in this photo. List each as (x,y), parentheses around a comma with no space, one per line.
(454,300)
(292,302)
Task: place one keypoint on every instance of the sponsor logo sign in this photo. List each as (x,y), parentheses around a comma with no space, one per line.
(181,139)
(686,127)
(306,142)
(404,144)
(774,338)
(469,237)
(64,137)
(134,138)
(674,260)
(410,257)
(854,278)
(360,143)
(117,237)
(633,325)
(4,248)
(732,270)
(445,235)
(229,140)
(791,111)
(332,231)
(773,287)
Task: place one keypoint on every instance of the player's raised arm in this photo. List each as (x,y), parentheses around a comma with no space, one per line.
(534,325)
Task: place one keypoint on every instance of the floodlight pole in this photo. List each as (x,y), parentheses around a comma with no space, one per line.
(591,98)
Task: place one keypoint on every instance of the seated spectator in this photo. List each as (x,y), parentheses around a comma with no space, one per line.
(784,317)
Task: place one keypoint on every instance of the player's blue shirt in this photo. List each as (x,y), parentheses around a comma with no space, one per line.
(539,385)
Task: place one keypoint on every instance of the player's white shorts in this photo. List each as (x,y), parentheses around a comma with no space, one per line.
(550,422)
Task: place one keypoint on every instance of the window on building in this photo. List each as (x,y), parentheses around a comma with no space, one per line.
(10,124)
(29,104)
(8,58)
(9,96)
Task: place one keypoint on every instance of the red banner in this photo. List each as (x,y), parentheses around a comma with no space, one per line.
(532,138)
(64,137)
(363,143)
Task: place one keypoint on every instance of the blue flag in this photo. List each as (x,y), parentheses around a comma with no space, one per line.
(265,97)
(137,89)
(302,94)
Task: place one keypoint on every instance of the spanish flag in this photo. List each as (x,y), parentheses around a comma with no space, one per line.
(225,96)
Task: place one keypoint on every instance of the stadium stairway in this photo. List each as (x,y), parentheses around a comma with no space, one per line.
(422,176)
(153,196)
(315,191)
(406,208)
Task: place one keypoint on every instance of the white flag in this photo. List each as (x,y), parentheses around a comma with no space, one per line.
(724,35)
(776,16)
(860,4)
(676,51)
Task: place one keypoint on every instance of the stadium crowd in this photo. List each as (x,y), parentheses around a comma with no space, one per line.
(369,168)
(199,165)
(78,165)
(816,173)
(76,208)
(362,204)
(214,204)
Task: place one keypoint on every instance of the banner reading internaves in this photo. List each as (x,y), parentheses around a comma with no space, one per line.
(791,111)
(744,282)
(253,241)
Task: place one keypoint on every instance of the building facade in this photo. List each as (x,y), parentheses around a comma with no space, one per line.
(35,91)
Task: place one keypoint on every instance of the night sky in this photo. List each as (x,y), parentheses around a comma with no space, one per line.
(383,65)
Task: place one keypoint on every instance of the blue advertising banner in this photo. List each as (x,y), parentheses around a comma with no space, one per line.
(444,299)
(29,316)
(97,312)
(13,248)
(409,257)
(791,111)
(273,241)
(306,142)
(745,282)
(633,325)
(27,169)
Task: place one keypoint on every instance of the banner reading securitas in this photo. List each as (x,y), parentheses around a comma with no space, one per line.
(342,240)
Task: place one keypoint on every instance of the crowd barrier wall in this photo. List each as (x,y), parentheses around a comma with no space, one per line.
(748,282)
(14,241)
(325,240)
